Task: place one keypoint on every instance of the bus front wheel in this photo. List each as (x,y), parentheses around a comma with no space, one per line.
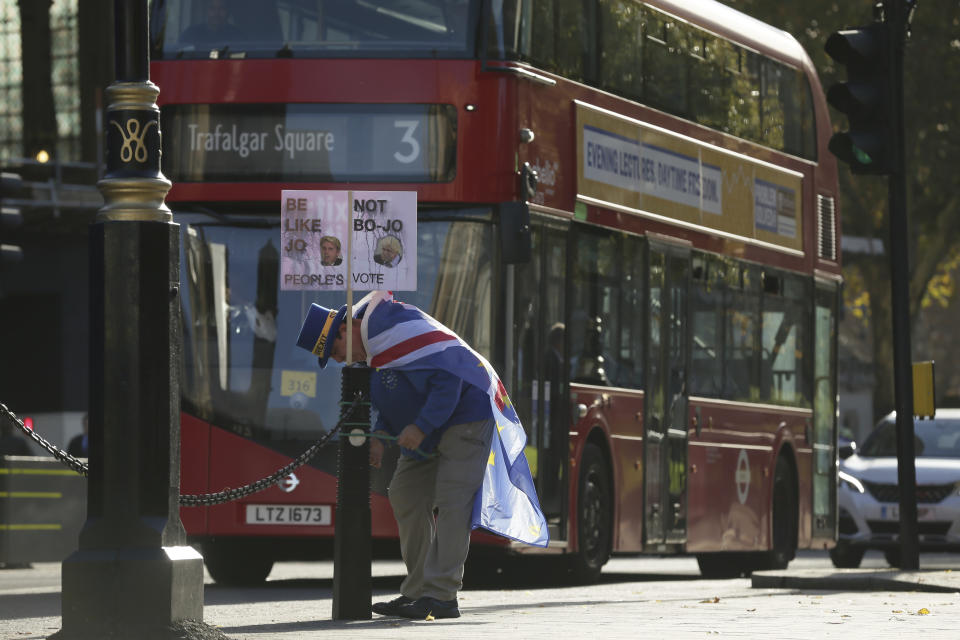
(594,515)
(230,564)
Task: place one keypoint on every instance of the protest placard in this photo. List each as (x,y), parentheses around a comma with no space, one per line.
(356,240)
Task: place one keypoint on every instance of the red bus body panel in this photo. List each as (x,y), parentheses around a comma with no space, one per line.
(617,415)
(194,469)
(240,461)
(730,473)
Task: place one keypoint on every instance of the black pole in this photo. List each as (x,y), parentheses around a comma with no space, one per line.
(351,543)
(895,19)
(132,55)
(134,574)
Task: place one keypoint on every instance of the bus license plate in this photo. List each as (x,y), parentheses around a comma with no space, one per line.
(297,514)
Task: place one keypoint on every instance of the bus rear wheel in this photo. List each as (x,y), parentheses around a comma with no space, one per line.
(784,527)
(892,556)
(594,515)
(230,564)
(724,565)
(843,556)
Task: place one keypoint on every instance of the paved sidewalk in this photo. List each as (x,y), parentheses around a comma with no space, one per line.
(644,597)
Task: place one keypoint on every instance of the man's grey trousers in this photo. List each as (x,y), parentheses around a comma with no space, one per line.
(435,548)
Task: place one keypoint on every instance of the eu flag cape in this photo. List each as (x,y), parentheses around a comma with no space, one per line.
(401,336)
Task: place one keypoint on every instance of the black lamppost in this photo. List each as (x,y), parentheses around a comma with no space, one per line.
(134,574)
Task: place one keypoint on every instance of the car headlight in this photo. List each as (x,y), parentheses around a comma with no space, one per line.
(850,482)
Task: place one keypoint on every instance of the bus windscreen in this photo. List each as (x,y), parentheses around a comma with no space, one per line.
(241,368)
(305,28)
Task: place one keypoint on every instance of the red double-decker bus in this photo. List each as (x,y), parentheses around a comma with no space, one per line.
(627,207)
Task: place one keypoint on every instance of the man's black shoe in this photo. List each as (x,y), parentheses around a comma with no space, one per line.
(427,606)
(391,608)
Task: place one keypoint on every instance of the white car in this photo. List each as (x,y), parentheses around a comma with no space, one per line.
(869,496)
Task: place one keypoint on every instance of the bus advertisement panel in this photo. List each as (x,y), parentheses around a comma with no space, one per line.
(625,162)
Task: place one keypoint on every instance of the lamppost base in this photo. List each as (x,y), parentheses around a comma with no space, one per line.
(183,630)
(132,593)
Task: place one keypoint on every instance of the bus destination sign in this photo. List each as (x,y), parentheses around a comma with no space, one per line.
(309,143)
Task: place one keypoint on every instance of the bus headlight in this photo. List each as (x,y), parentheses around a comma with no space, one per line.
(850,482)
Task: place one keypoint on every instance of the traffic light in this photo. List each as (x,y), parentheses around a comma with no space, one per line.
(866,98)
(11,187)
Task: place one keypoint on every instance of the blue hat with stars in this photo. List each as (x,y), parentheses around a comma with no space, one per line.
(320,329)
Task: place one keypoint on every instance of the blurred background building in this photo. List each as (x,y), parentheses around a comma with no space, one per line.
(55,61)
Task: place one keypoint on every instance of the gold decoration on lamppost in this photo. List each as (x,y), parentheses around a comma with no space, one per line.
(133,146)
(137,197)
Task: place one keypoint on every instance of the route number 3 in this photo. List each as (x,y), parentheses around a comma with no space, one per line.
(409,127)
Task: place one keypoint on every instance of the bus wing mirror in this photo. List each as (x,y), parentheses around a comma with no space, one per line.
(514,232)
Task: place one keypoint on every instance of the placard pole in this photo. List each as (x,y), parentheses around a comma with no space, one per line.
(349,280)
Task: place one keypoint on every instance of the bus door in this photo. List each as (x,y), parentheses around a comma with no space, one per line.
(538,381)
(825,411)
(665,430)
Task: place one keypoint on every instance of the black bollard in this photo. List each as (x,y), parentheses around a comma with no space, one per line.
(351,545)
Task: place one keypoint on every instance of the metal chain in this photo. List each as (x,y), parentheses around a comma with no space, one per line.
(203,499)
(55,451)
(207,499)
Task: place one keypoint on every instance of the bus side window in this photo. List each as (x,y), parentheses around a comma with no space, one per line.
(621,41)
(741,332)
(606,325)
(706,300)
(577,60)
(664,63)
(785,333)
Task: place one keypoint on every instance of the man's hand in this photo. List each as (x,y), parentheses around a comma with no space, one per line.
(410,437)
(376,452)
